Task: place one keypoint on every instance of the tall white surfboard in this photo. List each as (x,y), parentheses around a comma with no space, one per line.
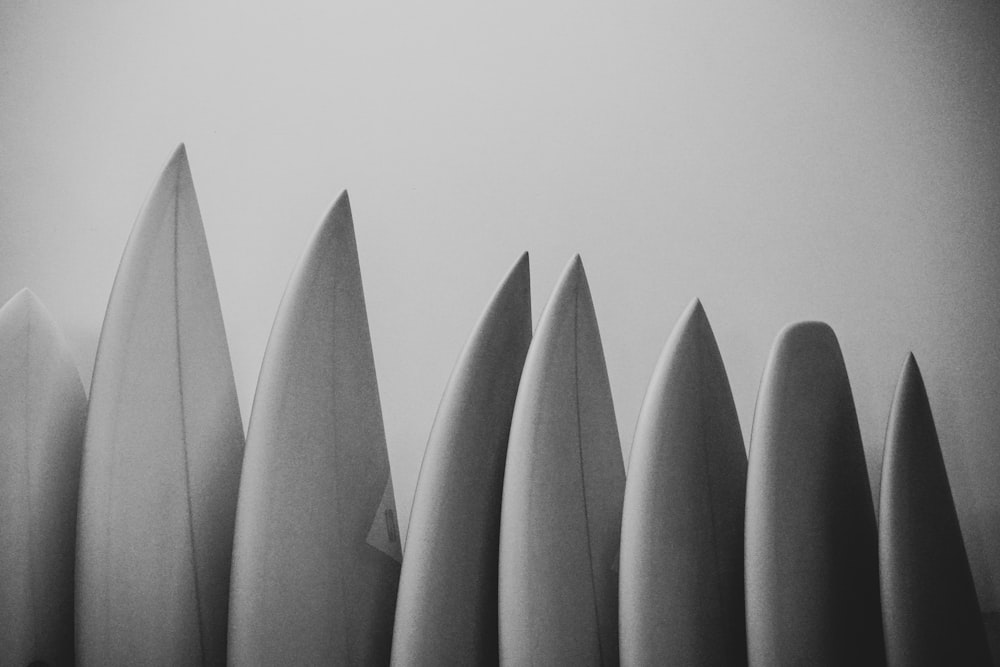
(562,494)
(446,610)
(317,551)
(929,606)
(812,590)
(681,577)
(42,414)
(162,452)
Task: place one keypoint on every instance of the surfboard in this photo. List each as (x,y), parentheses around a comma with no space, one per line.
(42,414)
(562,494)
(930,611)
(681,578)
(162,451)
(812,592)
(446,609)
(317,550)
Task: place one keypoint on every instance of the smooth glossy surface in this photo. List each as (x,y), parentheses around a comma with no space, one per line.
(162,452)
(42,414)
(929,606)
(562,496)
(812,591)
(317,551)
(446,611)
(681,577)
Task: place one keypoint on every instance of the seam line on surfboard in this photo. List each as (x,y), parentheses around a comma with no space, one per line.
(180,392)
(579,450)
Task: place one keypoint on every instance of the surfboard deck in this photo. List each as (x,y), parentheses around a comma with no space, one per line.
(162,450)
(446,610)
(930,610)
(681,577)
(812,591)
(43,410)
(317,552)
(562,495)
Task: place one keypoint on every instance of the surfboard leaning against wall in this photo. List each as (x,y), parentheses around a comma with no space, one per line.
(162,452)
(317,551)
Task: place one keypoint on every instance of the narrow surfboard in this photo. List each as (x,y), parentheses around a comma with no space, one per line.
(162,451)
(812,591)
(681,578)
(929,607)
(42,414)
(562,494)
(317,552)
(446,610)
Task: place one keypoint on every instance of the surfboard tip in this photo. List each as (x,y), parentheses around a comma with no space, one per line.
(911,380)
(177,170)
(521,266)
(573,275)
(339,216)
(571,282)
(694,312)
(25,296)
(179,154)
(910,388)
(24,304)
(518,278)
(174,183)
(810,332)
(808,349)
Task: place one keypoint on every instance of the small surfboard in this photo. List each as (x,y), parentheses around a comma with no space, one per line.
(562,494)
(317,550)
(812,591)
(681,579)
(929,606)
(446,610)
(42,414)
(162,452)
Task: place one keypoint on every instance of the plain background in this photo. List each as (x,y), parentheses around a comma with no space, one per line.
(779,160)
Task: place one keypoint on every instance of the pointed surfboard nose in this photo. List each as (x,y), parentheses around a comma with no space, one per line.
(24,300)
(929,606)
(316,477)
(681,578)
(562,493)
(446,611)
(162,451)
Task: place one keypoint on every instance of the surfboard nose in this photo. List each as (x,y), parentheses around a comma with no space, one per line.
(929,606)
(811,563)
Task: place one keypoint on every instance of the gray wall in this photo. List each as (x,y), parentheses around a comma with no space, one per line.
(781,160)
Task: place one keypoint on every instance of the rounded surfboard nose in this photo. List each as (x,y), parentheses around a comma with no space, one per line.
(42,414)
(811,561)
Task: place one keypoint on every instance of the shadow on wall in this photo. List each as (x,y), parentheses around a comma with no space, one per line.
(980,522)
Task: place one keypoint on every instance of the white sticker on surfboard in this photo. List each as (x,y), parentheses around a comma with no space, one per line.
(384,532)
